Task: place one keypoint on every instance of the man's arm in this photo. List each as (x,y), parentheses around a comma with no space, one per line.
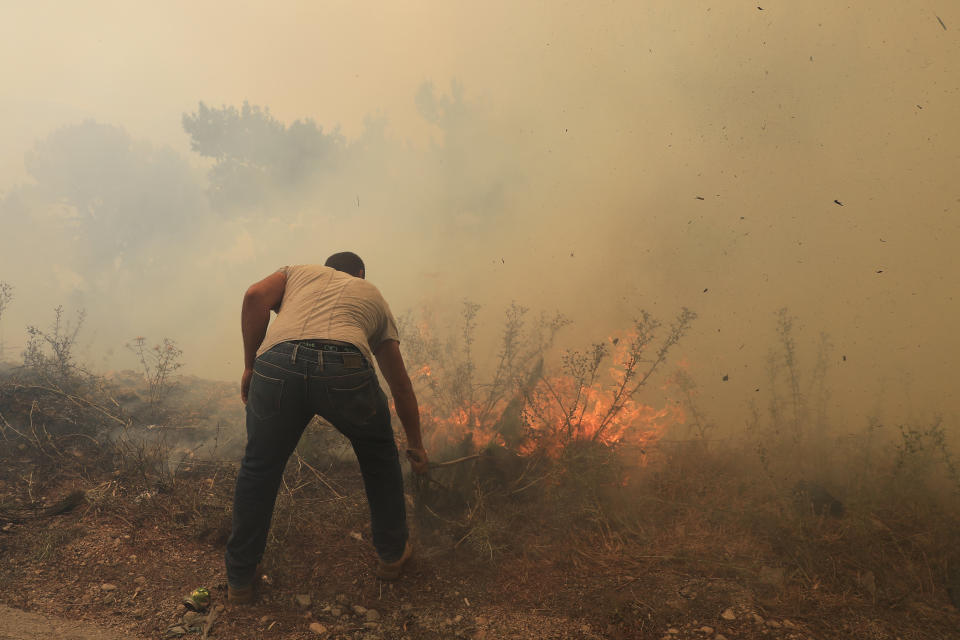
(395,373)
(258,301)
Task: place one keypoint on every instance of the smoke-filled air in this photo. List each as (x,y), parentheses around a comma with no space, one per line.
(674,286)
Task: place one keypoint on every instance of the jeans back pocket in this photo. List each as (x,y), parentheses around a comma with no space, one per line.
(354,401)
(264,396)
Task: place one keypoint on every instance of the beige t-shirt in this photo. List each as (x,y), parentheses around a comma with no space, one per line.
(320,303)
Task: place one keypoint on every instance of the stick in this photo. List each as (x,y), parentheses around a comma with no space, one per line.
(319,475)
(435,465)
(208,623)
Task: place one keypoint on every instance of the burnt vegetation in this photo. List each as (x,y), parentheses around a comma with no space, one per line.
(585,480)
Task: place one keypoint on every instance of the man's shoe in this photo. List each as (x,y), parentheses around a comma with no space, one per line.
(240,595)
(392,570)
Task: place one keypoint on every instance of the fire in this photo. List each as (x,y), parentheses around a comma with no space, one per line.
(544,414)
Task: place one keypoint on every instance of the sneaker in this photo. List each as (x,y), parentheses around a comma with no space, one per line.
(392,570)
(240,595)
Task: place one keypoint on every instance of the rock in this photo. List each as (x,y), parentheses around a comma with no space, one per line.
(303,600)
(106,586)
(318,628)
(175,632)
(372,615)
(757,619)
(728,614)
(359,610)
(705,629)
(264,619)
(773,624)
(789,624)
(457,618)
(719,636)
(673,630)
(342,598)
(140,580)
(371,625)
(482,620)
(336,612)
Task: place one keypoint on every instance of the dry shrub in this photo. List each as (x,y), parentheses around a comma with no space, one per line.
(531,441)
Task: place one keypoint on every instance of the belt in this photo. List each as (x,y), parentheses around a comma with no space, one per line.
(327,345)
(321,351)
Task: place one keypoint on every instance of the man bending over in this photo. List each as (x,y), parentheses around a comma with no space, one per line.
(316,358)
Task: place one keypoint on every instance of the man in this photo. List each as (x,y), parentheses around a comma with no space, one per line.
(316,358)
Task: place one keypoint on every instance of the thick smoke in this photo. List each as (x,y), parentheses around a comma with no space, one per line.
(592,160)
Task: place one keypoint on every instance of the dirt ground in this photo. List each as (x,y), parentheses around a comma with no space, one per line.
(124,557)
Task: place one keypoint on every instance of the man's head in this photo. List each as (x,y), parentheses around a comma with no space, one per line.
(347,262)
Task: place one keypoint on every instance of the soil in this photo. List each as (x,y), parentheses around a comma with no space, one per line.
(121,561)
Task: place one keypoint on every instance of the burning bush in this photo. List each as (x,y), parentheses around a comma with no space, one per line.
(543,423)
(524,407)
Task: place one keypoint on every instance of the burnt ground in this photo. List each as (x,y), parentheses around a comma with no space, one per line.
(708,559)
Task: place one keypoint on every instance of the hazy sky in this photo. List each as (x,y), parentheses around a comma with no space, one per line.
(608,156)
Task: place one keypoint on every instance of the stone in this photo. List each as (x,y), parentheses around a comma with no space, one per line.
(372,615)
(705,629)
(106,586)
(371,625)
(140,580)
(359,610)
(719,636)
(318,628)
(457,618)
(789,624)
(303,600)
(728,614)
(757,618)
(336,612)
(673,630)
(342,598)
(773,624)
(264,619)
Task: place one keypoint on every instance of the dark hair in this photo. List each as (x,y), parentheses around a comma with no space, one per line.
(346,261)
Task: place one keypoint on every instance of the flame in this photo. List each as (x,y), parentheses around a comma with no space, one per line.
(549,415)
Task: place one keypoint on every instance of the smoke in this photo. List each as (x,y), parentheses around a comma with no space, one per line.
(590,159)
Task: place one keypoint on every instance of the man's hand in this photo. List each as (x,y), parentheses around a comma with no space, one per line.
(418,461)
(245,384)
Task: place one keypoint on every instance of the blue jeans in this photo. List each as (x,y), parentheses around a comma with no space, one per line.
(292,383)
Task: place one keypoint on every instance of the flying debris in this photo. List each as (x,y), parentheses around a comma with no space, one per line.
(700,198)
(838,202)
(725,378)
(844,358)
(941,22)
(879,270)
(705,290)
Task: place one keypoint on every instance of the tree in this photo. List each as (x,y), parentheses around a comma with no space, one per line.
(256,156)
(118,195)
